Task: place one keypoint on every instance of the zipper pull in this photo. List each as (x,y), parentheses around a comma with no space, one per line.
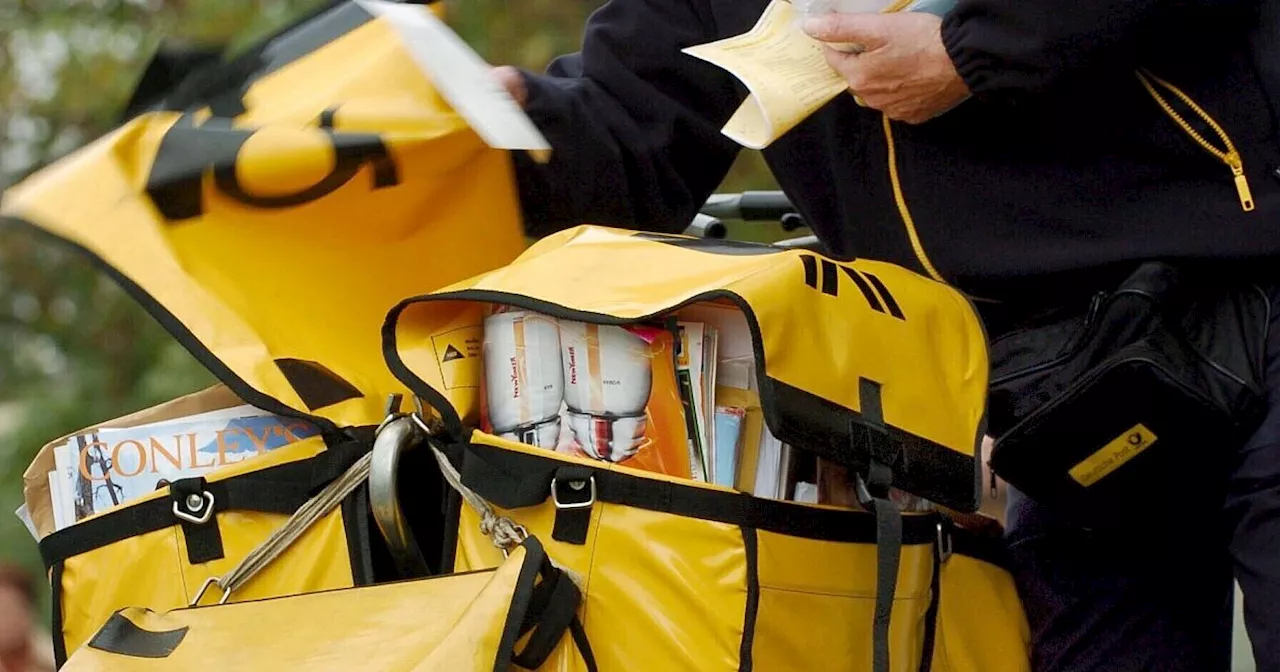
(1242,183)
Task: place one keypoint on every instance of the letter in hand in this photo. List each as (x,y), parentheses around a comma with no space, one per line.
(899,66)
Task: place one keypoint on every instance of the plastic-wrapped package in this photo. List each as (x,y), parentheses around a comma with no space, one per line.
(523,376)
(600,391)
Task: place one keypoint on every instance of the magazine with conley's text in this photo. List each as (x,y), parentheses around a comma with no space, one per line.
(104,468)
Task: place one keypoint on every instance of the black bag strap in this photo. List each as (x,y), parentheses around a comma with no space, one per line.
(514,480)
(884,454)
(545,610)
(280,489)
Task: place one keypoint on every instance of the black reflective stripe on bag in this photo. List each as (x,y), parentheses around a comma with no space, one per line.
(1130,405)
(280,489)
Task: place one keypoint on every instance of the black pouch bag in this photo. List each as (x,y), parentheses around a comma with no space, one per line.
(1134,404)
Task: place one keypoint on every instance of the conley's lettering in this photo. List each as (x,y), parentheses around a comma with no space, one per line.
(188,152)
(130,457)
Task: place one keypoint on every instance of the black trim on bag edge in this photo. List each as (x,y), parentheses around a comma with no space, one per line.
(978,546)
(746,660)
(59,636)
(927,644)
(177,329)
(924,449)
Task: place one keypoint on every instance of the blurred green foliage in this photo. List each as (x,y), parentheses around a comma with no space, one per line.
(74,349)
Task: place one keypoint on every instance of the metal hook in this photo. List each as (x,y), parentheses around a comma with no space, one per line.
(213,580)
(396,435)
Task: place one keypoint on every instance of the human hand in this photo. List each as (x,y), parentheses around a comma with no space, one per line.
(511,80)
(902,68)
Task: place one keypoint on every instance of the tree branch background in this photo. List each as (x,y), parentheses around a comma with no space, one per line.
(74,349)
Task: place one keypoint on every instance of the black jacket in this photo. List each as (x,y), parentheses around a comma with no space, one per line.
(1060,168)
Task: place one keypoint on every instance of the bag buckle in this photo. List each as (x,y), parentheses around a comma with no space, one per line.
(944,543)
(575,484)
(213,580)
(199,508)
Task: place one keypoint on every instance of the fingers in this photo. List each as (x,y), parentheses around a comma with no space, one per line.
(848,66)
(868,31)
(511,80)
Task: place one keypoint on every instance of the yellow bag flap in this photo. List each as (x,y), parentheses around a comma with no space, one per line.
(458,622)
(270,220)
(830,339)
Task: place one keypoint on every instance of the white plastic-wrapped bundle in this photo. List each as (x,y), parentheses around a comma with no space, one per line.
(607,381)
(524,376)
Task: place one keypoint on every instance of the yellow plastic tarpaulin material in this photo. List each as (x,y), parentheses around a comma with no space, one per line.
(295,195)
(518,612)
(268,211)
(839,347)
(864,363)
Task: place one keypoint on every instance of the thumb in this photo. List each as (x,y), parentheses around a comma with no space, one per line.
(867,30)
(511,80)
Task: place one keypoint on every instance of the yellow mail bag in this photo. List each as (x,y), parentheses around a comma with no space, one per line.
(863,363)
(516,613)
(268,211)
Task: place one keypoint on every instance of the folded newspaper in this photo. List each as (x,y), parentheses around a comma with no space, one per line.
(98,470)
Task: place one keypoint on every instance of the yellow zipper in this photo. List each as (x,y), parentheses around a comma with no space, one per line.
(1229,156)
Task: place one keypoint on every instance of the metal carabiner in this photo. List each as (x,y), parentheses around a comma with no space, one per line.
(213,580)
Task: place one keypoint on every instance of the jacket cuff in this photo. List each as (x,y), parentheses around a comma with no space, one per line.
(549,103)
(975,66)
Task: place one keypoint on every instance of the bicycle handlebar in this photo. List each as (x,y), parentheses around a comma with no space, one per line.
(749,206)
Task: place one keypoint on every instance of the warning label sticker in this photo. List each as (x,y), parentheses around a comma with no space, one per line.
(458,353)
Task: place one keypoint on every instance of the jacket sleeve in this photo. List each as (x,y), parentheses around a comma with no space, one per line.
(1018,47)
(634,124)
